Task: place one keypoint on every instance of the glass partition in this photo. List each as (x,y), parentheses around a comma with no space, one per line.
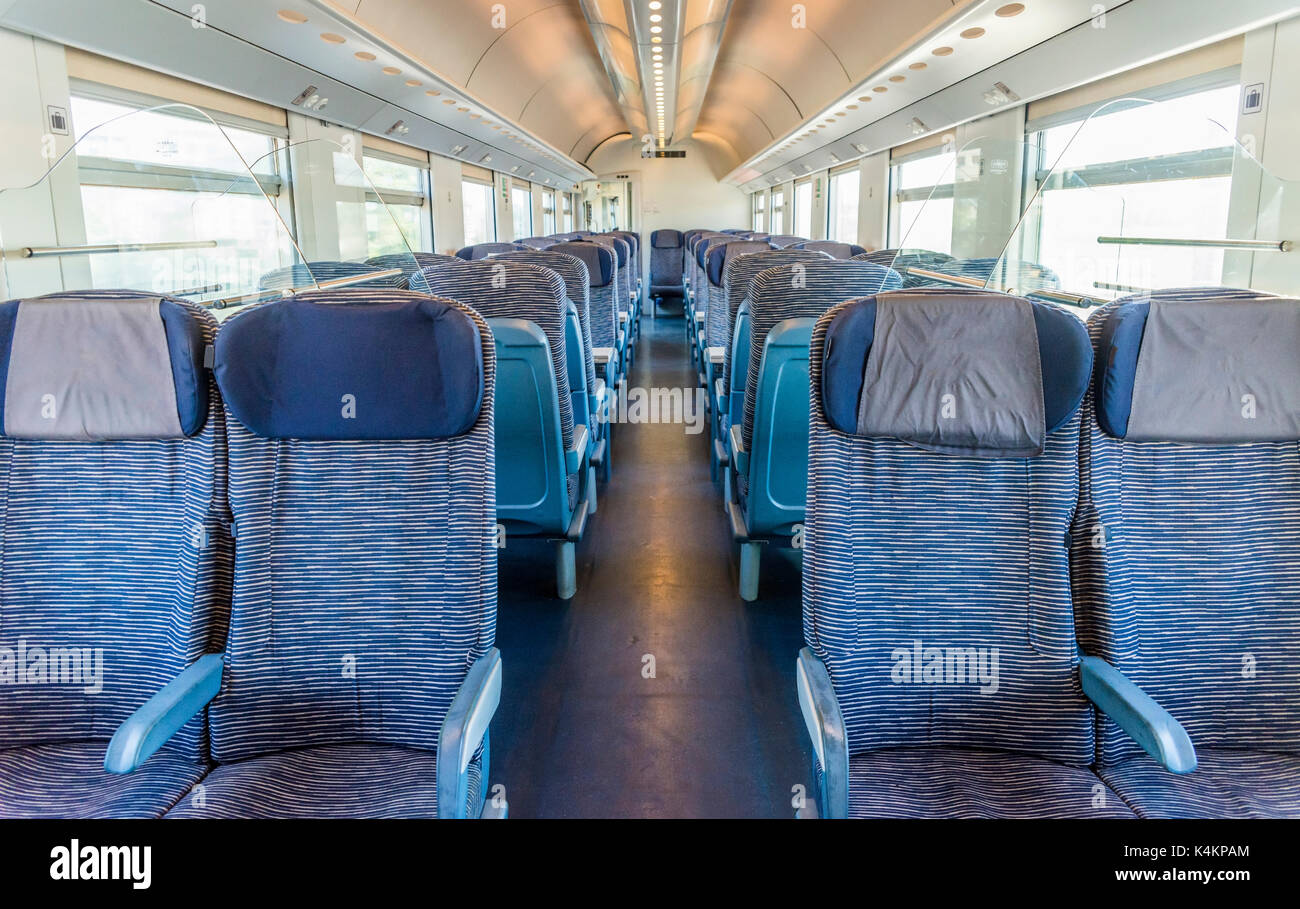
(165,200)
(1143,197)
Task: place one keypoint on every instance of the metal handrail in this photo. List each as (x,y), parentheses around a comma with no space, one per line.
(1261,245)
(33,252)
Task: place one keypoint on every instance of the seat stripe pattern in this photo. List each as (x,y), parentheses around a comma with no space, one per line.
(577,287)
(411,263)
(68,780)
(622,272)
(365,579)
(963,783)
(1227,783)
(331,781)
(736,280)
(719,322)
(948,566)
(121,547)
(1187,573)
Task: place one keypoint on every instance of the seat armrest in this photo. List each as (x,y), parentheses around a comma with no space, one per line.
(599,397)
(719,396)
(821,714)
(575,453)
(163,715)
(1134,711)
(462,731)
(739,456)
(716,355)
(622,318)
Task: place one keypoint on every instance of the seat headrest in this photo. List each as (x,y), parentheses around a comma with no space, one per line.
(1209,366)
(352,364)
(620,247)
(833,248)
(101,366)
(572,270)
(483,250)
(720,255)
(973,374)
(666,239)
(538,242)
(598,259)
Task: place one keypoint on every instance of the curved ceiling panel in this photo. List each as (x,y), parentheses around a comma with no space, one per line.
(533,60)
(785,65)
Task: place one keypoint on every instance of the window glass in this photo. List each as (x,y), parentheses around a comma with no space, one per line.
(521,206)
(479,212)
(548,213)
(403,188)
(778,211)
(803,194)
(842,217)
(760,211)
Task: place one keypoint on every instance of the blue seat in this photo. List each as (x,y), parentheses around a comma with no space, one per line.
(116,548)
(738,273)
(591,395)
(667,260)
(1185,547)
(623,294)
(308,275)
(359,676)
(904,260)
(603,308)
(483,250)
(537,242)
(833,248)
(784,241)
(767,436)
(410,264)
(633,240)
(704,292)
(545,492)
(941,672)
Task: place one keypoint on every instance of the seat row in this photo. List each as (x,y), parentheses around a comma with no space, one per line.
(1051,570)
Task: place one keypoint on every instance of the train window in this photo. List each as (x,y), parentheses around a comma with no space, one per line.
(165,179)
(803,199)
(548,212)
(404,188)
(923,182)
(566,213)
(521,209)
(479,211)
(1175,181)
(778,212)
(760,211)
(842,213)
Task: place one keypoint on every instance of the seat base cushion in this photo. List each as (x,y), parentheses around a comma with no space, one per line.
(1227,783)
(933,783)
(334,781)
(68,780)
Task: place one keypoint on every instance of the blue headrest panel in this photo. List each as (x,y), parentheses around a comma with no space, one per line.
(720,255)
(343,364)
(100,366)
(1063,346)
(598,259)
(483,250)
(1219,367)
(621,248)
(666,239)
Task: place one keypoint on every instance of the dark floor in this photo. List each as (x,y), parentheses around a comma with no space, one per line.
(717,732)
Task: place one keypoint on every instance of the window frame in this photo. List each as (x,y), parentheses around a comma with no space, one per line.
(831,179)
(389,196)
(491,207)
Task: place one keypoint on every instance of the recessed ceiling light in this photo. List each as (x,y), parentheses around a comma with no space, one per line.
(918,65)
(364,55)
(656,40)
(655,4)
(897,78)
(293,17)
(656,18)
(449,101)
(941,51)
(432,92)
(1011,9)
(853,107)
(331,38)
(463,110)
(865,98)
(391,71)
(881,89)
(972,33)
(414,83)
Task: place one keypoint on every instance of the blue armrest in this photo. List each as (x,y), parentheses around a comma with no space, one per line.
(739,456)
(149,728)
(720,397)
(1133,710)
(577,451)
(463,729)
(821,714)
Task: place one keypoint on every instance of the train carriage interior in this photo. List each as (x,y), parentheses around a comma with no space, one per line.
(649,409)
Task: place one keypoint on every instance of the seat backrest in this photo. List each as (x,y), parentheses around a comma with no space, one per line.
(602,307)
(700,258)
(361,484)
(903,260)
(782,241)
(737,276)
(833,248)
(666,258)
(943,468)
(719,324)
(537,242)
(577,288)
(410,264)
(309,274)
(483,250)
(115,545)
(1185,551)
(619,250)
(803,290)
(633,242)
(427,260)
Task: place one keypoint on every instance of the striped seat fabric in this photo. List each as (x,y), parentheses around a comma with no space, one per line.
(936,586)
(602,308)
(116,549)
(483,250)
(308,275)
(410,264)
(365,572)
(1187,570)
(718,327)
(834,249)
(666,263)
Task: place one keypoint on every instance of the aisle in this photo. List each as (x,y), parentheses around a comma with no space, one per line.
(717,732)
